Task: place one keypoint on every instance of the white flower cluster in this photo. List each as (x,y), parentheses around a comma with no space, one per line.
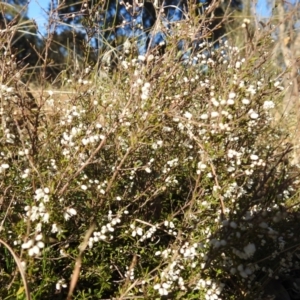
(39,212)
(187,254)
(200,167)
(105,229)
(26,173)
(212,289)
(136,230)
(163,289)
(171,226)
(83,81)
(209,58)
(243,271)
(171,180)
(101,186)
(149,233)
(248,252)
(157,145)
(129,273)
(70,114)
(68,137)
(61,284)
(93,139)
(277,85)
(6,89)
(189,251)
(10,137)
(268,105)
(69,213)
(234,192)
(170,164)
(4,167)
(145,91)
(233,154)
(253,114)
(169,277)
(188,115)
(34,246)
(56,229)
(165,253)
(246,22)
(256,161)
(173,162)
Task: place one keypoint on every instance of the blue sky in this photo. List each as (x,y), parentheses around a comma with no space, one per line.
(36,11)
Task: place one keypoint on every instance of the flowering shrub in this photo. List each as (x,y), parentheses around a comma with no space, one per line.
(153,183)
(123,23)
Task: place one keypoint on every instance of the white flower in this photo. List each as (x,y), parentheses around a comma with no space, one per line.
(38,227)
(162,289)
(254,115)
(137,231)
(38,237)
(251,89)
(141,57)
(35,250)
(250,249)
(40,244)
(10,89)
(215,102)
(84,187)
(150,57)
(60,284)
(69,213)
(204,117)
(214,114)
(154,146)
(46,217)
(39,194)
(245,101)
(202,166)
(253,157)
(268,105)
(55,228)
(159,143)
(27,245)
(188,115)
(144,96)
(232,95)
